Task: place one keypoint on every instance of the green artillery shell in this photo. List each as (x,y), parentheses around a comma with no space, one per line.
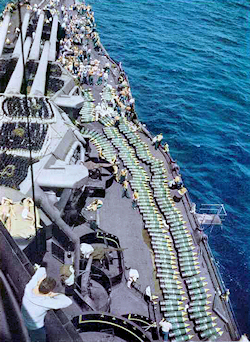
(200,302)
(182,245)
(188,258)
(175,314)
(201,314)
(198,291)
(179,332)
(196,285)
(158,227)
(187,254)
(210,332)
(173,216)
(192,266)
(159,251)
(180,232)
(170,302)
(157,240)
(198,309)
(160,240)
(165,258)
(176,224)
(171,291)
(165,273)
(186,249)
(170,286)
(172,308)
(200,296)
(155,230)
(189,268)
(214,337)
(182,239)
(204,327)
(194,280)
(171,281)
(174,297)
(183,242)
(177,320)
(182,338)
(190,273)
(179,325)
(166,267)
(164,262)
(174,220)
(205,320)
(149,210)
(188,263)
(160,233)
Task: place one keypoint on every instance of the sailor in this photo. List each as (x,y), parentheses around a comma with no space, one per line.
(105,78)
(107,68)
(99,81)
(86,250)
(135,199)
(165,327)
(98,110)
(225,295)
(128,112)
(175,183)
(133,276)
(37,300)
(132,103)
(157,140)
(174,166)
(84,76)
(123,176)
(67,275)
(125,189)
(166,148)
(80,56)
(181,193)
(88,55)
(117,121)
(91,77)
(84,51)
(96,204)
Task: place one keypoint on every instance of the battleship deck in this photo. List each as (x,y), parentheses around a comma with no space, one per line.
(161,237)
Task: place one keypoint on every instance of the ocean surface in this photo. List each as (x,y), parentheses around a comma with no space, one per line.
(188,63)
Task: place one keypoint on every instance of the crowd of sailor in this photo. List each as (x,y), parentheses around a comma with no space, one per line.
(77,54)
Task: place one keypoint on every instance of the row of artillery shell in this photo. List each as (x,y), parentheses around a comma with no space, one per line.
(174,221)
(181,242)
(158,240)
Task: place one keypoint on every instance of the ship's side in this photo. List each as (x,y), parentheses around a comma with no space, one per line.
(101,181)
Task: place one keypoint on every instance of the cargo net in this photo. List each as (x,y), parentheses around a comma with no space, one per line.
(13,170)
(38,108)
(15,136)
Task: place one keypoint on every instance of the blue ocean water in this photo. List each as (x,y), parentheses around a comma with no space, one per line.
(188,63)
